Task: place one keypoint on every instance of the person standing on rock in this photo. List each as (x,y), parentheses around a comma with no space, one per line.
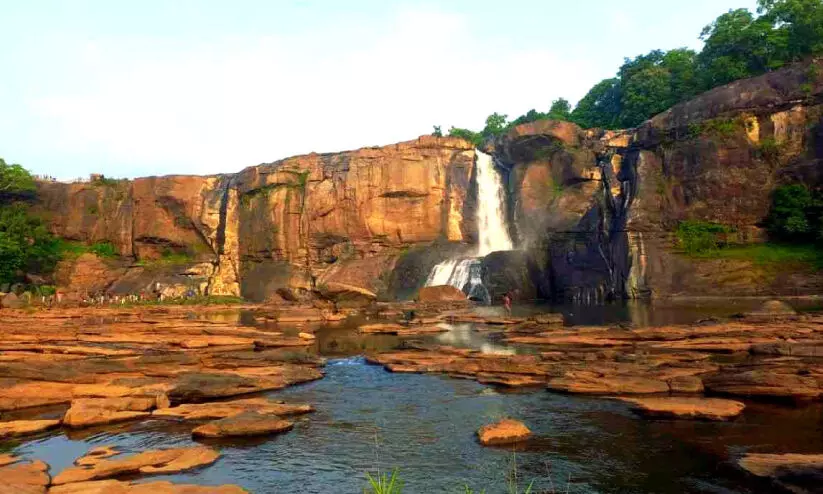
(507,303)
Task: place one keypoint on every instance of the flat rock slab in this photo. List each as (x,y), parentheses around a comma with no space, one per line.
(24,478)
(770,465)
(118,487)
(381,329)
(23,427)
(769,383)
(87,412)
(148,462)
(225,409)
(606,385)
(245,424)
(96,455)
(687,407)
(506,431)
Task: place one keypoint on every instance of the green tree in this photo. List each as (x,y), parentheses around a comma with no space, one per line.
(15,183)
(739,45)
(798,26)
(600,107)
(561,109)
(473,137)
(496,124)
(25,243)
(437,132)
(530,116)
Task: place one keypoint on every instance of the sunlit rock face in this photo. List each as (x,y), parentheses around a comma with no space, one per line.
(297,223)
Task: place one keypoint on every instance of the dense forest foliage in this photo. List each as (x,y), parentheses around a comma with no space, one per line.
(737,45)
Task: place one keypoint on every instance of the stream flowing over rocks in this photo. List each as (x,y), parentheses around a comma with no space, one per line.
(105,399)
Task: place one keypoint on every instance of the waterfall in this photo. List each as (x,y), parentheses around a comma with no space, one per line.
(493,235)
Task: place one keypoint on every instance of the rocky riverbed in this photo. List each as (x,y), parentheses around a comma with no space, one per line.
(219,376)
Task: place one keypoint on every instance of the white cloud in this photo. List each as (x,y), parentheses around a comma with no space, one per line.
(158,106)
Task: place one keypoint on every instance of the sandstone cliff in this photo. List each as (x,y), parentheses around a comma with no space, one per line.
(328,222)
(592,211)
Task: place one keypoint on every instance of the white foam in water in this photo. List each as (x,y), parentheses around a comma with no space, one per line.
(441,273)
(492,233)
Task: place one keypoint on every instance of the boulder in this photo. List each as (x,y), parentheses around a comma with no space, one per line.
(24,478)
(23,427)
(770,310)
(687,407)
(244,424)
(506,431)
(148,462)
(444,293)
(11,301)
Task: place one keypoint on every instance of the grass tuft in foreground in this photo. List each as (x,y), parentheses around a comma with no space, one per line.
(384,484)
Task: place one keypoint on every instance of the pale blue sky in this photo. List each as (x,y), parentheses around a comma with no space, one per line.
(132,88)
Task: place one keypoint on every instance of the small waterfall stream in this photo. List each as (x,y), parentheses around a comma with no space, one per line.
(493,235)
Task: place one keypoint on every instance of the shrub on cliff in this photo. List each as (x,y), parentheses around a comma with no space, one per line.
(699,237)
(796,214)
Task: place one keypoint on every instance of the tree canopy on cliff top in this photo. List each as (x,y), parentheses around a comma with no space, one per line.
(738,44)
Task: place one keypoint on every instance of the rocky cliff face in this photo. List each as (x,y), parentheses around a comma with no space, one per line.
(596,210)
(321,222)
(592,211)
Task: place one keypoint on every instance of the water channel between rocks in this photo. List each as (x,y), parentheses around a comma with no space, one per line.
(368,418)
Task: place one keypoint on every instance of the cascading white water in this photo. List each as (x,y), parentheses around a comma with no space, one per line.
(492,234)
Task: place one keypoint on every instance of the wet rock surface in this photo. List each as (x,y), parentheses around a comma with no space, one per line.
(148,462)
(503,432)
(24,478)
(796,473)
(687,407)
(244,424)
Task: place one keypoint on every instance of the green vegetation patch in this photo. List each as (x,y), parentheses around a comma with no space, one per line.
(71,249)
(701,237)
(770,255)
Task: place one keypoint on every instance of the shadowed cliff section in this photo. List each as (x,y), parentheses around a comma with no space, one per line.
(596,211)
